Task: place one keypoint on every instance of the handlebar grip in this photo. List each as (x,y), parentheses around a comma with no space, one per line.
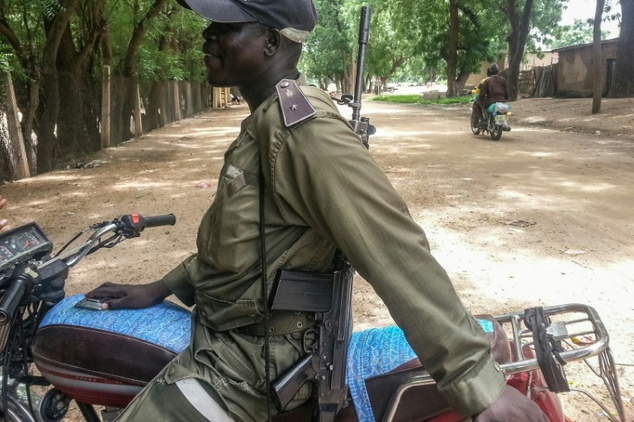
(133,224)
(11,299)
(160,220)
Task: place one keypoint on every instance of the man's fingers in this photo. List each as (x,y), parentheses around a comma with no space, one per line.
(106,290)
(109,305)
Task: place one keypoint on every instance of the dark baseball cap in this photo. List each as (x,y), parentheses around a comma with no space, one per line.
(294,18)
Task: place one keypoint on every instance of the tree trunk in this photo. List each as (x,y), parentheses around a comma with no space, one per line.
(461,80)
(28,120)
(71,132)
(48,111)
(153,110)
(19,165)
(623,80)
(517,42)
(47,114)
(597,61)
(452,55)
(76,109)
(128,68)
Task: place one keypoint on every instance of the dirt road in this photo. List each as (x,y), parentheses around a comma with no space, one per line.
(541,217)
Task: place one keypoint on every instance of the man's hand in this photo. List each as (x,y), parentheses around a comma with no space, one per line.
(4,222)
(512,406)
(130,296)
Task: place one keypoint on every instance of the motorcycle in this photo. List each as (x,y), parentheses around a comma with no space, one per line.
(55,348)
(495,121)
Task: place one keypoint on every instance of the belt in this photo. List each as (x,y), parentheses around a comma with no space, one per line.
(280,323)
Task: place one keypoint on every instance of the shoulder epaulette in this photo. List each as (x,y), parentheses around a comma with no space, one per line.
(294,105)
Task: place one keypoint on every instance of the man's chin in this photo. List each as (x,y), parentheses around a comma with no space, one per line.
(218,83)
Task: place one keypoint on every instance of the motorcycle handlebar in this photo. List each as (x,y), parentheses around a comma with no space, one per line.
(127,226)
(133,224)
(160,220)
(11,299)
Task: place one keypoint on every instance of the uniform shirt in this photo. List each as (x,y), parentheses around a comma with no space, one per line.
(323,188)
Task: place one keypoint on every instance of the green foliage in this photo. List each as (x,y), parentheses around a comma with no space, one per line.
(49,8)
(172,48)
(581,32)
(5,66)
(329,49)
(418,99)
(426,26)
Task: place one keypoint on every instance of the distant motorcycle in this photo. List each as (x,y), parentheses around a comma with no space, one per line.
(495,121)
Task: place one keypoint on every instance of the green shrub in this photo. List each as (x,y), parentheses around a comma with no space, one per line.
(417,99)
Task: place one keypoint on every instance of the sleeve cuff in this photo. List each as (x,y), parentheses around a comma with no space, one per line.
(475,392)
(176,281)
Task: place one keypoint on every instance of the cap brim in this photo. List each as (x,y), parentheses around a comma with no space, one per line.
(223,11)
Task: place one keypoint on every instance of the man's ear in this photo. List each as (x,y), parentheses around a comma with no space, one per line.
(273,41)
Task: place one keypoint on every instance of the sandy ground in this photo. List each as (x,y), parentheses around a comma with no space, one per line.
(541,217)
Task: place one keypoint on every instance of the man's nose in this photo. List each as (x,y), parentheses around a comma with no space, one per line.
(209,32)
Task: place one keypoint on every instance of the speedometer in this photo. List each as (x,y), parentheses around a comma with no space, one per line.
(23,241)
(22,244)
(5,254)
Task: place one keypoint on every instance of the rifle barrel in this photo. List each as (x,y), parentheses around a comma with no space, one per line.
(364,35)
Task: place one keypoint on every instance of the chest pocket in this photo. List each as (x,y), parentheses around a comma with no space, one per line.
(234,180)
(232,232)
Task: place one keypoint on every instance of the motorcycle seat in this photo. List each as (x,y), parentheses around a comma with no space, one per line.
(87,354)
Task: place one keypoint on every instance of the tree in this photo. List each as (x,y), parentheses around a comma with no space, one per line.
(519,18)
(456,35)
(328,54)
(597,62)
(55,50)
(127,67)
(49,103)
(387,52)
(523,17)
(580,32)
(623,80)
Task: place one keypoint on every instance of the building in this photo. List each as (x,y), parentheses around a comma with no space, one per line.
(574,72)
(530,61)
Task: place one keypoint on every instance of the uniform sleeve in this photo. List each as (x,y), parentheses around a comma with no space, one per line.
(176,281)
(326,176)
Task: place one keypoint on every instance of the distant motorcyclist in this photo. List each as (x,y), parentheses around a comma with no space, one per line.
(493,90)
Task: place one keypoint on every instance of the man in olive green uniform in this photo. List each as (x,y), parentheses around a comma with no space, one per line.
(322,191)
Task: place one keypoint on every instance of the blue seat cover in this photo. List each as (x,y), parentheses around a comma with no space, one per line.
(371,352)
(166,324)
(374,352)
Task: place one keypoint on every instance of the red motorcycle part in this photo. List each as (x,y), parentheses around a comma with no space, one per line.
(539,393)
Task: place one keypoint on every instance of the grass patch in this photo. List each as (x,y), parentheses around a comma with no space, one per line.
(416,99)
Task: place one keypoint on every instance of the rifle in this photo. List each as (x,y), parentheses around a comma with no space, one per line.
(361,125)
(329,296)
